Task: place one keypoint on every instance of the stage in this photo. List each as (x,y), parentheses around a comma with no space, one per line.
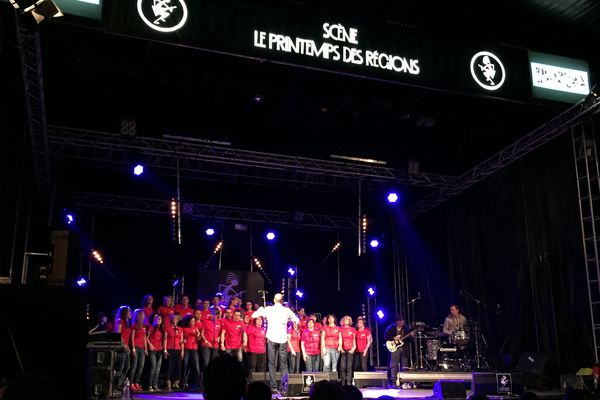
(421,386)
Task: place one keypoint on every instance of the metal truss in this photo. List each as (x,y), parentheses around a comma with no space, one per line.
(541,135)
(208,161)
(31,67)
(162,207)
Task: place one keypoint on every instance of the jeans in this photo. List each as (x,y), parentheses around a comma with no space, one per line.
(330,360)
(397,363)
(313,363)
(122,365)
(361,363)
(277,350)
(155,364)
(174,361)
(208,354)
(237,353)
(137,365)
(294,362)
(191,363)
(346,361)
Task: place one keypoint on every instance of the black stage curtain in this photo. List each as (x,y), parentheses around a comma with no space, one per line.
(514,243)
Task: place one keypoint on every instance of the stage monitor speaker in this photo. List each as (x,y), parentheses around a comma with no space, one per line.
(299,384)
(449,389)
(497,383)
(371,379)
(261,377)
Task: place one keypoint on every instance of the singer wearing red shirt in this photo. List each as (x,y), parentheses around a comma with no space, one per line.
(364,339)
(310,343)
(254,343)
(209,338)
(232,334)
(294,352)
(348,347)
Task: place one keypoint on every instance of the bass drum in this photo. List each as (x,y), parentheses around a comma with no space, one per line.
(449,357)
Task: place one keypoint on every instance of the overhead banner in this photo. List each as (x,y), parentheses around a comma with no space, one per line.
(91,9)
(558,78)
(295,35)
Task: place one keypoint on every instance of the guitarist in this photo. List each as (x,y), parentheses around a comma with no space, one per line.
(398,359)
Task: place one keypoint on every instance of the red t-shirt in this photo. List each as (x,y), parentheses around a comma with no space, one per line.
(303,323)
(205,314)
(148,312)
(294,340)
(312,342)
(348,335)
(166,313)
(190,337)
(199,325)
(256,339)
(332,335)
(125,333)
(248,313)
(211,333)
(173,337)
(233,334)
(184,310)
(139,337)
(361,339)
(318,326)
(156,339)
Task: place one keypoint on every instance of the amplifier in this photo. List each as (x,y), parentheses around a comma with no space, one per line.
(489,383)
(299,384)
(371,379)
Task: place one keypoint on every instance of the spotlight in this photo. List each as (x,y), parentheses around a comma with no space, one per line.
(40,9)
(392,197)
(70,219)
(81,282)
(138,170)
(380,314)
(175,282)
(371,291)
(299,294)
(97,256)
(374,243)
(292,270)
(210,232)
(271,235)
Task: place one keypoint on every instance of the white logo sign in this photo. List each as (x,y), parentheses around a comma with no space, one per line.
(163,15)
(487,70)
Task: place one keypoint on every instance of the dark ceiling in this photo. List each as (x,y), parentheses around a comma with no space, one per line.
(93,79)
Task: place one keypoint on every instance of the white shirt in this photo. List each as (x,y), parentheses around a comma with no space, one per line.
(277,318)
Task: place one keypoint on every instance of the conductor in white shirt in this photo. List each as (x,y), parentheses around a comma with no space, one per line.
(277,317)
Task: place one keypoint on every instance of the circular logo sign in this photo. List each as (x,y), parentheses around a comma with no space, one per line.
(163,15)
(487,70)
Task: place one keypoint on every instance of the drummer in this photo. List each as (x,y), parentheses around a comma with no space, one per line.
(455,321)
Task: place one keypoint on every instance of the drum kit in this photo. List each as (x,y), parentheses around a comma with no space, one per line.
(436,350)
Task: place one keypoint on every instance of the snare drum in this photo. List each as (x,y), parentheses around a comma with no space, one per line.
(459,337)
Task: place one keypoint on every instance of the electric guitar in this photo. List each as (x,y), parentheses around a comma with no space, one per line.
(393,345)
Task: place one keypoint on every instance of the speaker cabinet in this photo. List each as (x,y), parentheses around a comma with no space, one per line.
(371,379)
(449,389)
(299,384)
(492,383)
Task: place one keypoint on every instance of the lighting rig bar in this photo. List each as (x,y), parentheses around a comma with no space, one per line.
(541,135)
(162,207)
(203,161)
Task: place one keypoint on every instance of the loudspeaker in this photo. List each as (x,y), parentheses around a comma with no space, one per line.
(299,384)
(65,257)
(489,383)
(260,376)
(101,366)
(371,379)
(448,389)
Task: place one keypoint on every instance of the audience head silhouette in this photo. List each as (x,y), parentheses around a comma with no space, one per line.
(224,379)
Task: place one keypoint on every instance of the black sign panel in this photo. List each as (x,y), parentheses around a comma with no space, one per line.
(244,284)
(348,45)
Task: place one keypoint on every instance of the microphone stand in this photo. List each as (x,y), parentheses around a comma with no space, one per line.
(264,298)
(420,359)
(477,329)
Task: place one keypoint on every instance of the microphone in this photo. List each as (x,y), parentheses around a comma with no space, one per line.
(419,295)
(262,291)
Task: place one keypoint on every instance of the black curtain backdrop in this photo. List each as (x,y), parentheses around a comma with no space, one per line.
(513,242)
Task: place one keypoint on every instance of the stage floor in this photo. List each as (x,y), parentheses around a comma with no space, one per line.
(368,393)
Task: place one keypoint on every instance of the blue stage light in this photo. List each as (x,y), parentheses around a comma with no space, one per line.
(392,197)
(292,270)
(210,232)
(70,219)
(380,314)
(81,282)
(138,170)
(374,243)
(371,291)
(271,235)
(299,294)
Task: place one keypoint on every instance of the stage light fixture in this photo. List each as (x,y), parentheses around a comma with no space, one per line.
(380,314)
(392,197)
(40,9)
(292,270)
(81,282)
(97,256)
(210,232)
(70,218)
(371,291)
(374,243)
(592,97)
(299,294)
(138,170)
(270,235)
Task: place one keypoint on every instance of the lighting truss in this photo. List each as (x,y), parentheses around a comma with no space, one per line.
(214,162)
(162,207)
